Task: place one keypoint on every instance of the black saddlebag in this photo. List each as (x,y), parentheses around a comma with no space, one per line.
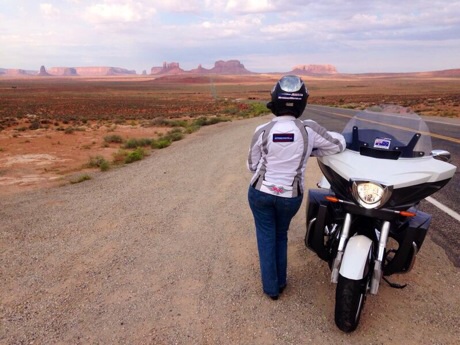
(317,217)
(410,236)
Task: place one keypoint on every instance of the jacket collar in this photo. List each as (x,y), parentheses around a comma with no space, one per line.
(284,118)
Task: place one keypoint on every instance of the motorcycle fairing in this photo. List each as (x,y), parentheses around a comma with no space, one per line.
(412,179)
(397,173)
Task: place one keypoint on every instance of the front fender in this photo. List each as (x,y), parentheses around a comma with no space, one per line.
(355,257)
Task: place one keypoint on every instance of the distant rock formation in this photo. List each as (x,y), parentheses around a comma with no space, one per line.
(90,71)
(103,71)
(64,71)
(43,72)
(314,69)
(14,72)
(233,67)
(200,70)
(167,68)
(444,73)
(229,67)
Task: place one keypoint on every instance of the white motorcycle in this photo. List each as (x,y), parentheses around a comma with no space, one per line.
(363,220)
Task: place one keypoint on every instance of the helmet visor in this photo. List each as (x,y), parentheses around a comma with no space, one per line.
(290,83)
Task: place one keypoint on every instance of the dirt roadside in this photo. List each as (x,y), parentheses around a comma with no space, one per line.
(163,252)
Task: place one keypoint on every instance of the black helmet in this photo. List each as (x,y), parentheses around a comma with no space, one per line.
(289,97)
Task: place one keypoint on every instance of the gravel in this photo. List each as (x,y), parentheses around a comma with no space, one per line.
(163,251)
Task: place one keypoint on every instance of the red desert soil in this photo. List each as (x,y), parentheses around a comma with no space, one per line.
(44,157)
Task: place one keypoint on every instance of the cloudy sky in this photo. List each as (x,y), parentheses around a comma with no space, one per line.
(356,36)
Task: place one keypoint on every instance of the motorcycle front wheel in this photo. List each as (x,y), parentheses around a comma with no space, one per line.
(350,296)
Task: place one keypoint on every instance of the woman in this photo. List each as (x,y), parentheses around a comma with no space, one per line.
(277,156)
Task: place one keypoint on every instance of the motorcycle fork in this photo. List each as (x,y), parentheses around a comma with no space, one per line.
(377,273)
(341,247)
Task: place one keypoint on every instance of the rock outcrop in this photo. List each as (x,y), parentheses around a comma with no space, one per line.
(64,71)
(15,72)
(167,68)
(90,71)
(43,72)
(231,67)
(103,71)
(200,70)
(314,69)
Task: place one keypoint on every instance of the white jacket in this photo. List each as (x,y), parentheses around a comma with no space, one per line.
(280,149)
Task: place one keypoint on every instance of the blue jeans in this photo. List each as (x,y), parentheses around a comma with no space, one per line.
(272,216)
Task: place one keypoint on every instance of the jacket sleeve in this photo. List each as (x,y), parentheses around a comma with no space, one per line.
(325,142)
(255,152)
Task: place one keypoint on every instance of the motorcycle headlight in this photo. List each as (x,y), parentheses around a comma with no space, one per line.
(370,194)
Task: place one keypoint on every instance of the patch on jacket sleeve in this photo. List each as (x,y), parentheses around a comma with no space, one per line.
(283,137)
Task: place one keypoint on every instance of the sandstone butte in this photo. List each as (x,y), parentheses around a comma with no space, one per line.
(230,67)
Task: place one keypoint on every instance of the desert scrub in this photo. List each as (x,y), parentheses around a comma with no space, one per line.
(247,110)
(114,138)
(136,155)
(258,109)
(166,140)
(161,143)
(34,125)
(126,157)
(176,123)
(205,121)
(175,134)
(98,162)
(135,143)
(157,122)
(81,178)
(191,128)
(119,157)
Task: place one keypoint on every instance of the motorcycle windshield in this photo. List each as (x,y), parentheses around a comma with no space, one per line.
(389,132)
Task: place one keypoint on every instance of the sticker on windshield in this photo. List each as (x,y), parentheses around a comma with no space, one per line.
(382,143)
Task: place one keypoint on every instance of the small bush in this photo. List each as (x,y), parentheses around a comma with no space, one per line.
(157,122)
(126,157)
(161,143)
(135,155)
(177,123)
(99,162)
(81,178)
(257,109)
(120,156)
(191,129)
(204,121)
(114,138)
(135,143)
(174,135)
(246,110)
(34,125)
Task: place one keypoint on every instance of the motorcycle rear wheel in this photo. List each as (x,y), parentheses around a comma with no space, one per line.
(350,296)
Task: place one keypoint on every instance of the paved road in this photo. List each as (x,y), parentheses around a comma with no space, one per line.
(446,135)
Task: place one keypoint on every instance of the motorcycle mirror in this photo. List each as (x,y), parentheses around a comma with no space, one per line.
(441,155)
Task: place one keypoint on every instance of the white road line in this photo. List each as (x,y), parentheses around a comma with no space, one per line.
(444,208)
